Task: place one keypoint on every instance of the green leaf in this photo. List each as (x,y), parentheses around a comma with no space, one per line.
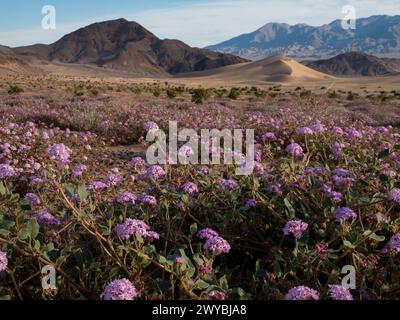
(383,154)
(290,208)
(69,189)
(4,232)
(374,236)
(2,189)
(201,284)
(37,245)
(397,147)
(23,234)
(223,283)
(33,228)
(193,229)
(348,244)
(162,260)
(82,192)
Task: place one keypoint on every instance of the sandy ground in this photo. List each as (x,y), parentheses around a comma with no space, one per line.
(277,70)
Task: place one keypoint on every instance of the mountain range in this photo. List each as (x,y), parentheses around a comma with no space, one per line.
(377,35)
(356,64)
(127,46)
(121,47)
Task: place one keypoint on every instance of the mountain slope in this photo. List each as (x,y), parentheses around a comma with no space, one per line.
(355,64)
(123,45)
(10,62)
(378,35)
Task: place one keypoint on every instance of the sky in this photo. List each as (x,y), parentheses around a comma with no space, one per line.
(196,22)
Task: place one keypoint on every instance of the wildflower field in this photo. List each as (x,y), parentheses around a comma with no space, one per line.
(77,194)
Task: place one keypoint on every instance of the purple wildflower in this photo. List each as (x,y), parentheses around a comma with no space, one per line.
(7,171)
(138,164)
(60,152)
(216,295)
(78,171)
(338,292)
(97,185)
(133,227)
(353,134)
(46,218)
(318,128)
(148,200)
(268,136)
(394,195)
(217,245)
(250,203)
(337,132)
(190,188)
(113,180)
(343,214)
(33,199)
(204,268)
(295,227)
(150,125)
(206,234)
(336,197)
(394,243)
(295,150)
(127,198)
(302,293)
(179,260)
(337,150)
(120,290)
(228,184)
(155,173)
(3,261)
(305,131)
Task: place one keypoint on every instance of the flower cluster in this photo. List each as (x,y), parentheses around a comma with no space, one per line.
(46,218)
(302,293)
(61,153)
(3,261)
(295,227)
(121,289)
(133,227)
(338,292)
(343,214)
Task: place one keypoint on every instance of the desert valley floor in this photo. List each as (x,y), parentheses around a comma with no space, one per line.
(77,193)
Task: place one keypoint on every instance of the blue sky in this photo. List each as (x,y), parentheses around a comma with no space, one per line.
(197,22)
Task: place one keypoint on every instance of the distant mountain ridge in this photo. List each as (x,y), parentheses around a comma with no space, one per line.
(378,35)
(356,64)
(127,46)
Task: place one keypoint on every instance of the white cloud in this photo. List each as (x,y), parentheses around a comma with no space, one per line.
(211,22)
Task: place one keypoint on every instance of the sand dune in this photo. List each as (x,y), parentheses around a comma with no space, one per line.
(275,69)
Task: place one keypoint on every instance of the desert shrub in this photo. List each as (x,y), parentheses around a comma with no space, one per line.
(14,89)
(234,94)
(332,94)
(79,91)
(199,95)
(157,92)
(350,96)
(305,93)
(171,93)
